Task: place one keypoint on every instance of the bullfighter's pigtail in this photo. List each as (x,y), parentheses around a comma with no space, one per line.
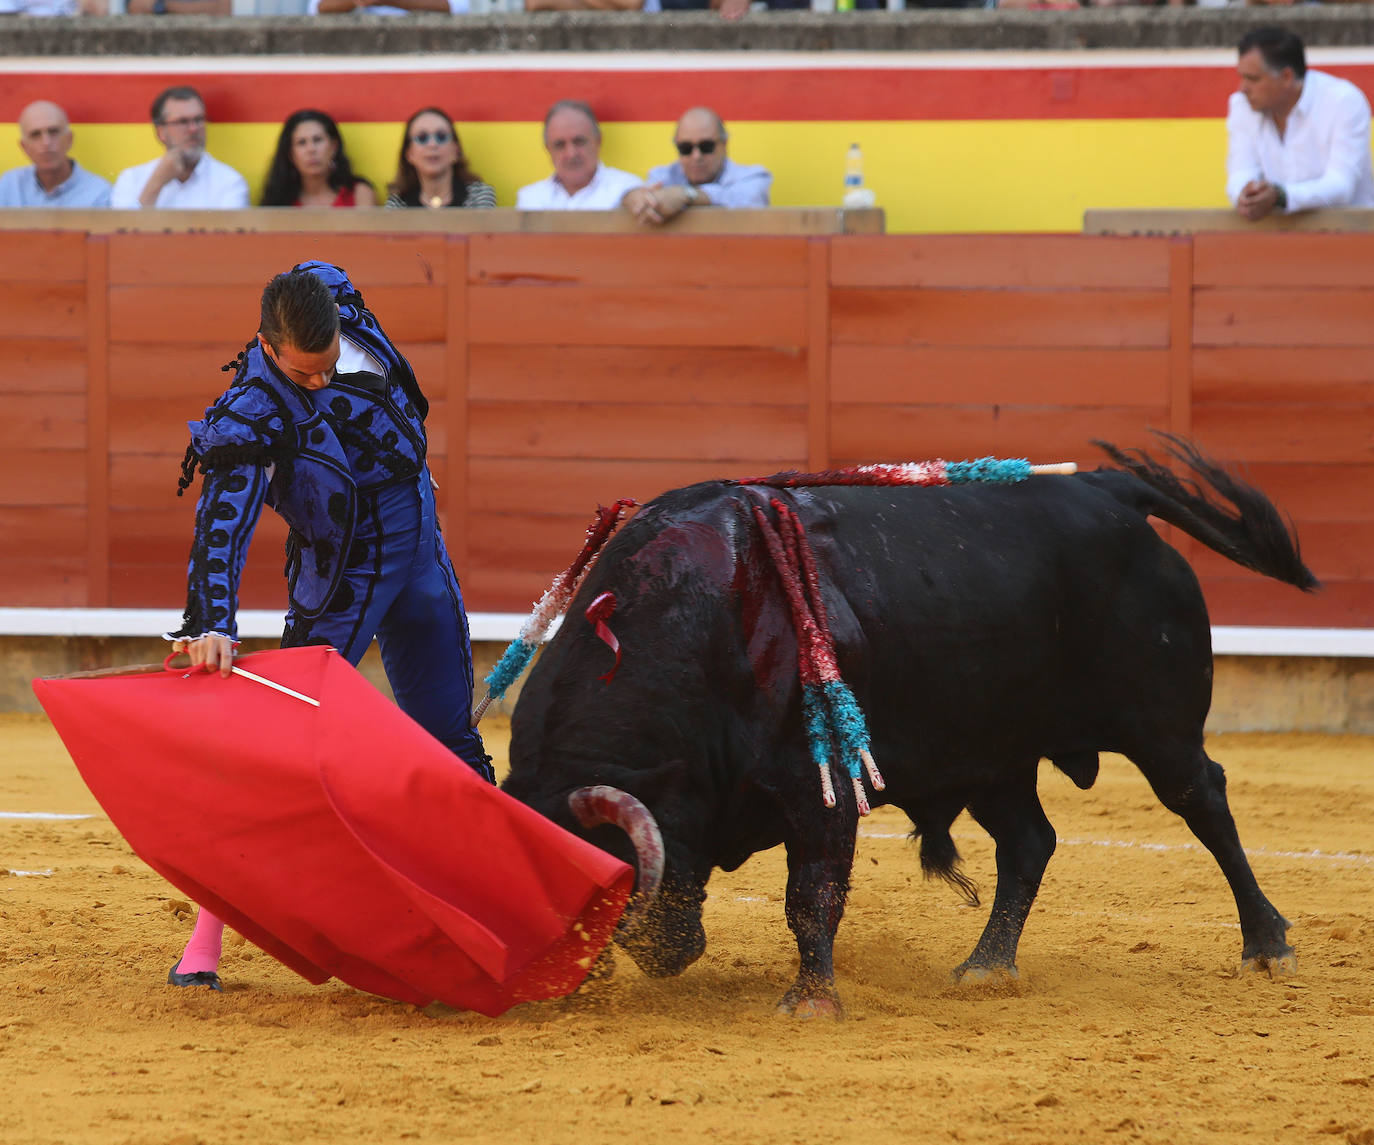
(834,720)
(551,606)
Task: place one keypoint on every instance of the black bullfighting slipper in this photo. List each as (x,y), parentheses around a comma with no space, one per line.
(199,978)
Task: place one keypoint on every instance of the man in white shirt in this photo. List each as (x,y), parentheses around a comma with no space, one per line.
(1297,139)
(704,176)
(580,181)
(185,177)
(55,179)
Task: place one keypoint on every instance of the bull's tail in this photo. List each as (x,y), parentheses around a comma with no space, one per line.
(1249,530)
(940,860)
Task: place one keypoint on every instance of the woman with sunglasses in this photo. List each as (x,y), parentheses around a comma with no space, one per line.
(432,171)
(311,167)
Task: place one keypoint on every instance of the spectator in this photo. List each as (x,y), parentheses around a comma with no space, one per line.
(55,179)
(384,7)
(186,176)
(580,181)
(180,7)
(704,176)
(54,7)
(432,170)
(311,167)
(1297,139)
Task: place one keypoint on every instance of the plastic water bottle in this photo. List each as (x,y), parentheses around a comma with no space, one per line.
(856,195)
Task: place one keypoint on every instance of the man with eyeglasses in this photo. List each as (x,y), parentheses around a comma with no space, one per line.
(580,181)
(185,177)
(55,179)
(704,176)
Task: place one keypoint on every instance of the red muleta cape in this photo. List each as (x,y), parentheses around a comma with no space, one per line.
(343,840)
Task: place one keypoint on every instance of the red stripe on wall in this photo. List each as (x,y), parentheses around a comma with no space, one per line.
(636,96)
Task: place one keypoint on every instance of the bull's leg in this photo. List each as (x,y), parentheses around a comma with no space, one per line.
(1194,786)
(817,885)
(1010,812)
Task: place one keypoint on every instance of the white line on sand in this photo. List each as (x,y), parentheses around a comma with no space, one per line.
(40,815)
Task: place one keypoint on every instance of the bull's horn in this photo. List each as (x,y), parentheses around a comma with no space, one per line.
(594,806)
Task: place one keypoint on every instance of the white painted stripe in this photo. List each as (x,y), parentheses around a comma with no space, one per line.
(40,815)
(503,626)
(153,622)
(658,61)
(31,874)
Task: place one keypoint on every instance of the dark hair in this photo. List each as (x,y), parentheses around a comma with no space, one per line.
(572,105)
(298,310)
(406,184)
(181,92)
(283,185)
(1278,47)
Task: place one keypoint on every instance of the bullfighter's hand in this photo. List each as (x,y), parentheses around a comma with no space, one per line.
(209,652)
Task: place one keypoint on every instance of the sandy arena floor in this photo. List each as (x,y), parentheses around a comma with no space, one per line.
(1130,1022)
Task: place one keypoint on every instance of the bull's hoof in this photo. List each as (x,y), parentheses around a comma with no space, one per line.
(799,1003)
(986,977)
(1274,965)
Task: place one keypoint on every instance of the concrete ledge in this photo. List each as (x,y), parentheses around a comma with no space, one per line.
(916,30)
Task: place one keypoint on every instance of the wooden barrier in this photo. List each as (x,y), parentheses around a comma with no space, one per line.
(571,369)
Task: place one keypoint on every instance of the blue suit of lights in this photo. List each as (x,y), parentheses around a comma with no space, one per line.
(345,467)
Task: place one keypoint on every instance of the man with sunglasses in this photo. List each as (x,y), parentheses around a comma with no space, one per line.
(580,181)
(704,176)
(185,176)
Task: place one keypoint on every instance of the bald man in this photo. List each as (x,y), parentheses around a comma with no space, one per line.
(54,179)
(703,176)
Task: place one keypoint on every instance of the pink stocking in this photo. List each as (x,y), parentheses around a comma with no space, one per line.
(203,951)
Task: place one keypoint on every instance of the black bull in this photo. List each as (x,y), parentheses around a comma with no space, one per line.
(981,628)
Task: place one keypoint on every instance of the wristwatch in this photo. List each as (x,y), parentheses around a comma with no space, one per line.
(693,196)
(1281,203)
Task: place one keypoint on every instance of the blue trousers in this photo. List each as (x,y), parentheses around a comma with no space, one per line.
(400,587)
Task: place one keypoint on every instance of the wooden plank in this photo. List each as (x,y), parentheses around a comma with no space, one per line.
(1165,221)
(1180,336)
(42,477)
(42,582)
(42,309)
(542,542)
(43,421)
(241,263)
(500,429)
(1284,261)
(745,375)
(1000,318)
(650,316)
(147,425)
(200,314)
(36,256)
(1315,490)
(976,375)
(637,260)
(1235,316)
(454,418)
(863,433)
(999,261)
(97,422)
(1283,374)
(1293,433)
(1255,600)
(576,487)
(818,358)
(503,589)
(1332,549)
(55,532)
(189,374)
(42,366)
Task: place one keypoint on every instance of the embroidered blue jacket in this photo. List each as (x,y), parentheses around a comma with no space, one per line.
(308,454)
